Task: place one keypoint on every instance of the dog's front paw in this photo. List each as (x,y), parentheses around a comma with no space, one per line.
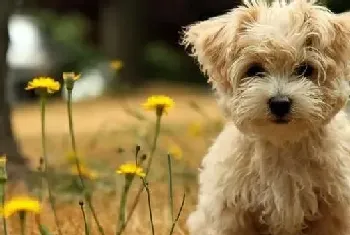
(198,225)
(195,221)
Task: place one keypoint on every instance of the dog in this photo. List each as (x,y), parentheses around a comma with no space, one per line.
(281,165)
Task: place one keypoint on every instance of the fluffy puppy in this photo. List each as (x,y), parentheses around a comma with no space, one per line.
(281,166)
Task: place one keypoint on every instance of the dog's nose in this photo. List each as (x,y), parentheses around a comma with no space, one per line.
(280,105)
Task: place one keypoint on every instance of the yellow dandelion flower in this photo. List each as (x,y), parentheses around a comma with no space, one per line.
(46,84)
(85,172)
(71,157)
(130,169)
(175,151)
(160,103)
(195,129)
(116,64)
(70,75)
(21,204)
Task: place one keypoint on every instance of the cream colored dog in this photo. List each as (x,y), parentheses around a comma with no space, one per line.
(281,166)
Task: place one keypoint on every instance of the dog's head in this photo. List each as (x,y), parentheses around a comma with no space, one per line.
(279,69)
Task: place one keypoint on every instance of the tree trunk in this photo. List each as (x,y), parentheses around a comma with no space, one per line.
(123,32)
(8,144)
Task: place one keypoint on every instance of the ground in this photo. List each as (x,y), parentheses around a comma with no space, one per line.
(103,128)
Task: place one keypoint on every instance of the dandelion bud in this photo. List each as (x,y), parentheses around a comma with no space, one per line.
(120,150)
(143,157)
(138,148)
(69,79)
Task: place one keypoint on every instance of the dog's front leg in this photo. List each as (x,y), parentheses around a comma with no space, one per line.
(213,218)
(213,215)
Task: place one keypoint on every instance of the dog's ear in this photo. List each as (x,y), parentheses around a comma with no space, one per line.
(330,33)
(213,41)
(342,38)
(341,44)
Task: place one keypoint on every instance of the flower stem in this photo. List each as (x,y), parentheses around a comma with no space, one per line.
(137,197)
(87,232)
(72,137)
(123,200)
(42,177)
(171,198)
(3,191)
(94,214)
(178,214)
(46,164)
(22,220)
(77,162)
(149,203)
(154,144)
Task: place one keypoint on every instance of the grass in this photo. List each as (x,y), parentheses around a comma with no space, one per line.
(107,131)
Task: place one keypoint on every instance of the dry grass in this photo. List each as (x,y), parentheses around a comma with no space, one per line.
(102,127)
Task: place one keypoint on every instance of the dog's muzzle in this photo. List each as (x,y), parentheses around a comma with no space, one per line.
(280,106)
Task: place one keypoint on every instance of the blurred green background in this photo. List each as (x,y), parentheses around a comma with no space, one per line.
(143,34)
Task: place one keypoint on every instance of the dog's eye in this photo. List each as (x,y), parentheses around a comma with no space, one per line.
(304,70)
(256,70)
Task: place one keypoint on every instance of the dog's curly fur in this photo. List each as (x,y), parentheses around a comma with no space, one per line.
(262,176)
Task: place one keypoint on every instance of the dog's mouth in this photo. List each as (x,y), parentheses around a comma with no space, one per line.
(280,121)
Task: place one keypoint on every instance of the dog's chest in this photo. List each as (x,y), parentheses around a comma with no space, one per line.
(278,174)
(284,186)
